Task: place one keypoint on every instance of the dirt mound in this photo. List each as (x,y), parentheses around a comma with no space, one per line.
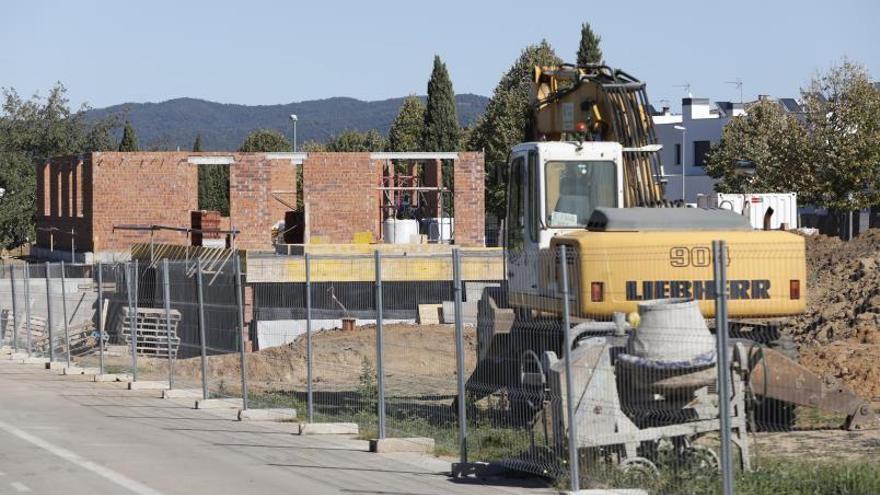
(839,335)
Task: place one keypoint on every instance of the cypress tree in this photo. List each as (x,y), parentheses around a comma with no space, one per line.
(129,139)
(197,144)
(441,122)
(589,51)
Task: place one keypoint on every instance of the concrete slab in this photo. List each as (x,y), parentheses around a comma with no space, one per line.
(468,312)
(606,491)
(219,404)
(328,429)
(182,393)
(76,370)
(276,414)
(112,377)
(419,445)
(35,360)
(16,356)
(56,365)
(147,385)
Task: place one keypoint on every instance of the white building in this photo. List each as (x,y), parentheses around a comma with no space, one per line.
(688,136)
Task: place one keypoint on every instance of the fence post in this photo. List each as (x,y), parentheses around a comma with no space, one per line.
(64,312)
(569,395)
(166,303)
(459,357)
(309,390)
(27,306)
(239,301)
(202,341)
(719,254)
(100,322)
(380,346)
(49,313)
(16,316)
(131,285)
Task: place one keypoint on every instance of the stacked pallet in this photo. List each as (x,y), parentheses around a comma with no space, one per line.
(152,331)
(83,338)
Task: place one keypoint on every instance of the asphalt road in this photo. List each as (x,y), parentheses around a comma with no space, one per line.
(66,435)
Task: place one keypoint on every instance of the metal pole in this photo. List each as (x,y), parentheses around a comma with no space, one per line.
(380,346)
(459,356)
(719,249)
(134,320)
(64,313)
(27,305)
(239,300)
(16,316)
(294,136)
(72,247)
(166,302)
(569,394)
(100,323)
(309,391)
(683,164)
(202,329)
(49,322)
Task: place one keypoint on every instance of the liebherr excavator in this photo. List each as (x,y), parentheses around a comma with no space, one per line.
(591,179)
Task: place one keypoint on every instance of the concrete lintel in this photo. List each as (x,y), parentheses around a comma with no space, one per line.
(414,155)
(328,429)
(419,445)
(276,414)
(211,160)
(295,158)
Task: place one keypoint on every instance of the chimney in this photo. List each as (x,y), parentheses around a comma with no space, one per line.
(763,97)
(695,108)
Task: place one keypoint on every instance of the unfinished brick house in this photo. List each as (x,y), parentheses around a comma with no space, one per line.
(81,198)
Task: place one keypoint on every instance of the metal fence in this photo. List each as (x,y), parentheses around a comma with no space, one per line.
(524,373)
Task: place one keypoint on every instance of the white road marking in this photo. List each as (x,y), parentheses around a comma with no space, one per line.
(104,472)
(19,487)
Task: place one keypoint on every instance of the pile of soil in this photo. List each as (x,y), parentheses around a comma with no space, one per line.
(839,335)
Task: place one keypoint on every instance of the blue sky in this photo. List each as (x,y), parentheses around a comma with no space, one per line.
(267,52)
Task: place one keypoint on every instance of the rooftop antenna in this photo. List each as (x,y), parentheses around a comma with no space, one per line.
(739,85)
(687,88)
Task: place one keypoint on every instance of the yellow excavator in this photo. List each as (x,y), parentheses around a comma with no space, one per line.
(591,179)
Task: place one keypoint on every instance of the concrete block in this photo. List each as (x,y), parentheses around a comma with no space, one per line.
(468,312)
(147,385)
(35,360)
(328,429)
(276,414)
(76,370)
(473,291)
(420,445)
(18,356)
(219,404)
(112,377)
(56,365)
(429,314)
(606,491)
(181,393)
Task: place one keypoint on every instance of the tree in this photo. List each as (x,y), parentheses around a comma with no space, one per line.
(830,157)
(352,141)
(197,144)
(769,138)
(407,129)
(32,131)
(506,119)
(129,139)
(589,52)
(441,130)
(266,140)
(842,109)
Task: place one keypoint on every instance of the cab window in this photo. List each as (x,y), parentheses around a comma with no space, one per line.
(515,214)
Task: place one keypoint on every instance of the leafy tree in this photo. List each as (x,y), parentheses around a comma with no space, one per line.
(407,129)
(266,140)
(129,138)
(352,140)
(197,144)
(843,121)
(441,132)
(588,51)
(31,131)
(506,119)
(831,157)
(768,137)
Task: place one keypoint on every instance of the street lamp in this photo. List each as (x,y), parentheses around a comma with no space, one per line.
(294,118)
(684,131)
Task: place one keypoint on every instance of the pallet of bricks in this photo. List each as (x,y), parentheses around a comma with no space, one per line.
(152,331)
(83,337)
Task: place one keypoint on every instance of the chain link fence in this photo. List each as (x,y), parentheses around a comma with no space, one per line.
(545,362)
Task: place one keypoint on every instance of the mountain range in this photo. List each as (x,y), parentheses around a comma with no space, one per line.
(174,123)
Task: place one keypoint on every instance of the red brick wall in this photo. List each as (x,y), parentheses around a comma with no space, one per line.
(470,212)
(340,189)
(64,202)
(141,188)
